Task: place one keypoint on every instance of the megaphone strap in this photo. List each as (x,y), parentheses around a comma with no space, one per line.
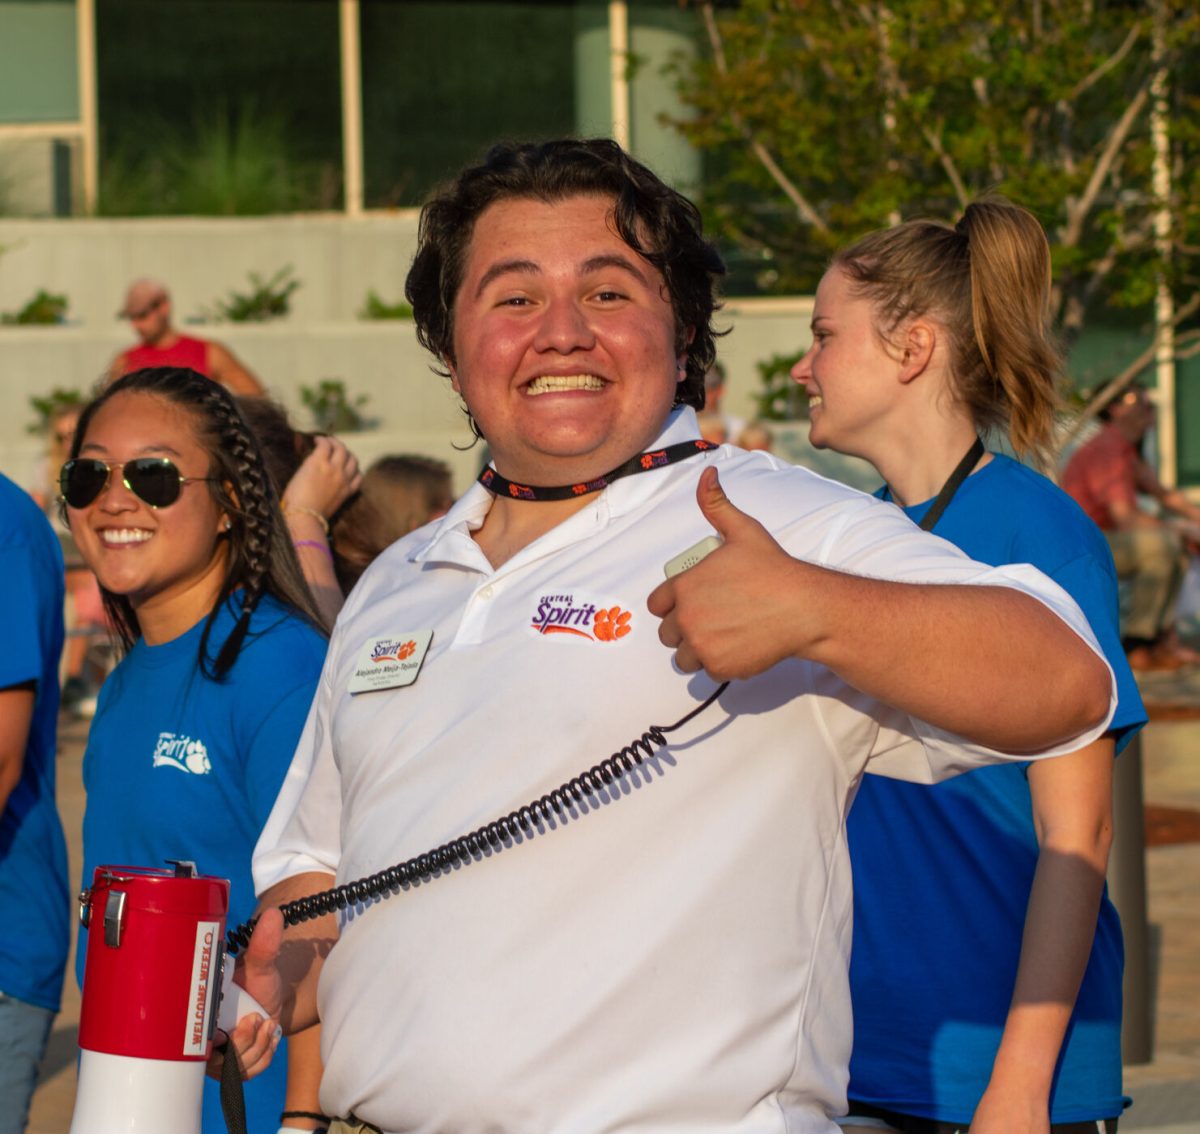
(233,1097)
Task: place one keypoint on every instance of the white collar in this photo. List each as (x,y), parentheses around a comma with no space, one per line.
(450,539)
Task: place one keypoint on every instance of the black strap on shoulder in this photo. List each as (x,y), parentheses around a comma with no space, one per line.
(960,473)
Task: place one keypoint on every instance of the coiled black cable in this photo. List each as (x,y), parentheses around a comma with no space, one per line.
(462,851)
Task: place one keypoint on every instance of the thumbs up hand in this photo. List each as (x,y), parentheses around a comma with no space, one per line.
(732,614)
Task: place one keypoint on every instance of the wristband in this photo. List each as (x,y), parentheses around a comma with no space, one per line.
(310,1114)
(290,510)
(314,543)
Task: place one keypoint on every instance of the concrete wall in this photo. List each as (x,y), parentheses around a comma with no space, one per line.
(337,260)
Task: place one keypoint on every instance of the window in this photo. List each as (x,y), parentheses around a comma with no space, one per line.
(218,106)
(443,80)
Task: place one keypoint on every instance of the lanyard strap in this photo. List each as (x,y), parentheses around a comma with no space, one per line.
(961,472)
(643,462)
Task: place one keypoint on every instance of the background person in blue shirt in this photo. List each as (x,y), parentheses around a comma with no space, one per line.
(986,963)
(34,901)
(171,505)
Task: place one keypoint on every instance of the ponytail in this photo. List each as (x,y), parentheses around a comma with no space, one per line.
(1010,311)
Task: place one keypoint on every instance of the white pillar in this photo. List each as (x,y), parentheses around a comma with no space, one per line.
(618,35)
(1164,301)
(352,148)
(657,38)
(85,49)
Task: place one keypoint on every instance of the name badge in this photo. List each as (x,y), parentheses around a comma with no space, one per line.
(390,662)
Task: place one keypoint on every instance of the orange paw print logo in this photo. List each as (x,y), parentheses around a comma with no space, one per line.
(406,650)
(611,624)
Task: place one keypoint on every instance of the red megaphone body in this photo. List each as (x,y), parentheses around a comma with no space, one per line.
(151,986)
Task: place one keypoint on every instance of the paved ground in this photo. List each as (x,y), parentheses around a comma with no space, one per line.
(55,1097)
(1166,1091)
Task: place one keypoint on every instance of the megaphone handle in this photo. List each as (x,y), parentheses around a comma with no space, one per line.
(236,1002)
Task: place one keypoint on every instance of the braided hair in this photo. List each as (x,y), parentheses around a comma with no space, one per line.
(261,557)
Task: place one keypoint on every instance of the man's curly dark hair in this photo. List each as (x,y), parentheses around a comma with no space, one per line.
(652,218)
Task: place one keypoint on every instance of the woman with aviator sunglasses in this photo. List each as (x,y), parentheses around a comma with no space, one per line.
(170,504)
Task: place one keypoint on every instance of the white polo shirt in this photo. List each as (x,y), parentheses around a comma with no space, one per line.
(673,957)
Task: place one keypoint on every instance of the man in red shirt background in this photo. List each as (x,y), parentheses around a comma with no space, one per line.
(1105,476)
(148,308)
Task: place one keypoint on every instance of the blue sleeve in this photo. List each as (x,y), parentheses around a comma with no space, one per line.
(21,658)
(277,686)
(272,744)
(1093,585)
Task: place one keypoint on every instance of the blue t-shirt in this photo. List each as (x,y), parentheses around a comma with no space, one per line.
(942,874)
(34,900)
(181,767)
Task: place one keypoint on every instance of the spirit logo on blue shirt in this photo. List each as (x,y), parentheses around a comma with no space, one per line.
(182,752)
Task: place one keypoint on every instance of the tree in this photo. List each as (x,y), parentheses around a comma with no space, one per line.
(822,120)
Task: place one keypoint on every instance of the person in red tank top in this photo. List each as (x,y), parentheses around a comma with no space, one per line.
(1106,476)
(148,308)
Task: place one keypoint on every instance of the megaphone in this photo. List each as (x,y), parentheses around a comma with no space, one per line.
(152,985)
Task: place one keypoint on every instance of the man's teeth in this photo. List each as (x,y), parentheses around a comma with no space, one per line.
(814,400)
(124,535)
(552,383)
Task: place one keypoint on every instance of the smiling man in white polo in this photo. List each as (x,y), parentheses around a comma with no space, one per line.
(666,951)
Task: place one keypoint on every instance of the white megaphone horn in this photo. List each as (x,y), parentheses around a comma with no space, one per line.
(153,976)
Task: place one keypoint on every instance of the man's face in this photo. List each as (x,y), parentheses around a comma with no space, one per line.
(1134,413)
(149,315)
(564,340)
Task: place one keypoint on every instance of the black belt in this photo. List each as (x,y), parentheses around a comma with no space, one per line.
(914,1124)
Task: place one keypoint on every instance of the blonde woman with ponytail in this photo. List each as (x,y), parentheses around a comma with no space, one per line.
(986,965)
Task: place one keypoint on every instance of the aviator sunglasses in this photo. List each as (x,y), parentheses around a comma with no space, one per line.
(154,480)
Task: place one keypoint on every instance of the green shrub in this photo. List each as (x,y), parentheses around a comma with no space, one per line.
(781,397)
(332,409)
(266,300)
(376,308)
(47,407)
(228,164)
(44,309)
